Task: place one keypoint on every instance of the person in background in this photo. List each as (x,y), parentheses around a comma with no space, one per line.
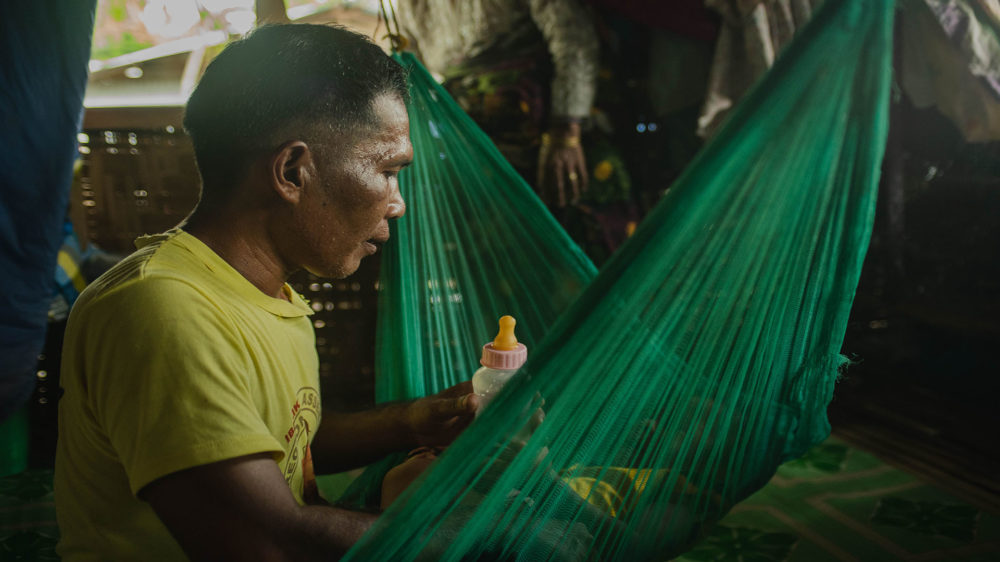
(524,70)
(191,424)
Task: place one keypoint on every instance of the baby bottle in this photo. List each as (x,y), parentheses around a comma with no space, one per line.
(501,359)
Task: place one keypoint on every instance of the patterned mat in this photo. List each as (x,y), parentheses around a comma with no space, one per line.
(28,528)
(836,503)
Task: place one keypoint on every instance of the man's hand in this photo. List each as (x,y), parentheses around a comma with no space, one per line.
(435,421)
(349,440)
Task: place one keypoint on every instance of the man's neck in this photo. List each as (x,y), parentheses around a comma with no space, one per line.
(243,242)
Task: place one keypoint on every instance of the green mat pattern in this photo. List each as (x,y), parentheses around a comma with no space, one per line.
(835,503)
(839,503)
(28,529)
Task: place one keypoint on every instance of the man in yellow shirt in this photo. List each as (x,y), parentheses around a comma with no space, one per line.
(191,416)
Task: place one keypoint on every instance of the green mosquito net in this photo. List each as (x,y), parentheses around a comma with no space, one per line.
(667,387)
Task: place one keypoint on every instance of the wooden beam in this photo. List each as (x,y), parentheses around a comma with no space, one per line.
(142,118)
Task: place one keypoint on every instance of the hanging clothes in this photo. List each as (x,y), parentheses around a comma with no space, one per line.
(44,49)
(451,34)
(974,28)
(951,60)
(751,35)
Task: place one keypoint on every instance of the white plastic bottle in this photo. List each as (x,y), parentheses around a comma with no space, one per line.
(501,359)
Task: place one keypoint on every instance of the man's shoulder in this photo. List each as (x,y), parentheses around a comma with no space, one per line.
(159,269)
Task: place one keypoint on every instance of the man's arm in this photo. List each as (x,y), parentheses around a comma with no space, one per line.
(242,509)
(349,440)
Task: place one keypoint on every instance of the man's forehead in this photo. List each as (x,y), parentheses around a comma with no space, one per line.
(385,135)
(399,151)
(363,136)
(390,132)
(384,139)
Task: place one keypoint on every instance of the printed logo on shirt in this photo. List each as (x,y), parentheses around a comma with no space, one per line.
(305,419)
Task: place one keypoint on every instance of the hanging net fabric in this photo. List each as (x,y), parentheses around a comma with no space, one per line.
(672,385)
(475,243)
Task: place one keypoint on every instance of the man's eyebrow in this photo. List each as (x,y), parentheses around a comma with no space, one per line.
(401,161)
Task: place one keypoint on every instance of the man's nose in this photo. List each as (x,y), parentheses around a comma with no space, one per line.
(397,207)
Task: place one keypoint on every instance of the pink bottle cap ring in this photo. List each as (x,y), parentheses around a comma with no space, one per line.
(507,360)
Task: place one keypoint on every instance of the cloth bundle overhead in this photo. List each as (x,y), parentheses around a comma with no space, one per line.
(701,357)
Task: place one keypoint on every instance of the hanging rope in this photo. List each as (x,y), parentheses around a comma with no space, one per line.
(396,38)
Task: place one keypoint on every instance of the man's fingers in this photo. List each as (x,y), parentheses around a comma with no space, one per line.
(457,391)
(444,408)
(472,402)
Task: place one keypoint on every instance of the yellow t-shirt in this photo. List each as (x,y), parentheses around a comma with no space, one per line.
(172,359)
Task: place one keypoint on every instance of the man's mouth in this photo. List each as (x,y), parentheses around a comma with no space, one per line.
(373,244)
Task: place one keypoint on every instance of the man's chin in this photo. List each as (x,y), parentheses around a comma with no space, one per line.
(340,269)
(335,273)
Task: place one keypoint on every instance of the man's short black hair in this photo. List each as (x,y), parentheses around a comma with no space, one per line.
(279,83)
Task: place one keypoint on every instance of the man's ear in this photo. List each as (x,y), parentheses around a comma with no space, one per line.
(291,168)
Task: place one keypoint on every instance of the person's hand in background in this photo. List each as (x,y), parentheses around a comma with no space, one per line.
(562,167)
